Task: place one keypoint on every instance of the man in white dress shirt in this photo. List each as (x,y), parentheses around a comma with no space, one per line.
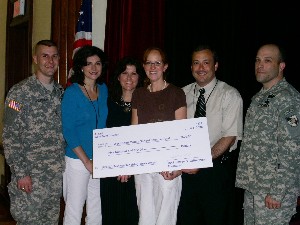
(206,192)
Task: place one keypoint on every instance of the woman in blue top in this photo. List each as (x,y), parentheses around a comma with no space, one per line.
(84,108)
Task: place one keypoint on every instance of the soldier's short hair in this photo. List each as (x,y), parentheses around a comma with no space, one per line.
(48,43)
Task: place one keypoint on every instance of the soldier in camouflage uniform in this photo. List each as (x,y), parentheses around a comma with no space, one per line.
(33,141)
(268,166)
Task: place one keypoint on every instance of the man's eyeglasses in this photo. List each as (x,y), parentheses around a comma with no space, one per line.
(156,64)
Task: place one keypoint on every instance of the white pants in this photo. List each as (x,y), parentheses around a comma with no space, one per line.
(157,199)
(79,187)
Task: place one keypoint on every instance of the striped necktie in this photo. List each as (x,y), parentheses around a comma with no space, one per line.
(200,106)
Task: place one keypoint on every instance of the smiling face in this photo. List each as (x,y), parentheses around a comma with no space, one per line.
(46,60)
(154,66)
(203,67)
(93,69)
(129,78)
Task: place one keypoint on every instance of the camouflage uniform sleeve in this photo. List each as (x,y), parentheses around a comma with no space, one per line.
(14,125)
(288,158)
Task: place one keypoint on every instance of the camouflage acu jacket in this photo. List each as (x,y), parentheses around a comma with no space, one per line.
(269,159)
(32,133)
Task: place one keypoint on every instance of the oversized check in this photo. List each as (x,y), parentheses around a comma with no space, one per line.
(152,147)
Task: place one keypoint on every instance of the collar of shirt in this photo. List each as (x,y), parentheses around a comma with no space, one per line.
(208,88)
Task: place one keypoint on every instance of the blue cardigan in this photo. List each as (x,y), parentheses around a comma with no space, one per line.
(79,118)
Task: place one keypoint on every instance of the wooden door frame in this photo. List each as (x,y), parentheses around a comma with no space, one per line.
(18,44)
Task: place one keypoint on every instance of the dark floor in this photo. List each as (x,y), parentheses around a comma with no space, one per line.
(5,217)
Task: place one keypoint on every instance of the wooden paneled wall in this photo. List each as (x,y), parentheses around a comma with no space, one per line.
(64,18)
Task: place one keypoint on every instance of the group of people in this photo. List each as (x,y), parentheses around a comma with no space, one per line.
(48,143)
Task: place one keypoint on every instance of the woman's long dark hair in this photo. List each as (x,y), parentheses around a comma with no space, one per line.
(80,60)
(115,90)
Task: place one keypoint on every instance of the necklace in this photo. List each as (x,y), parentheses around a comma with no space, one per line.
(96,111)
(165,85)
(208,95)
(126,105)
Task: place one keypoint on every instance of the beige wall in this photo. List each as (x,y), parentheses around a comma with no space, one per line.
(99,16)
(41,25)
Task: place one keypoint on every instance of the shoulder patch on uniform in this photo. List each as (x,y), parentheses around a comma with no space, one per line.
(15,105)
(292,120)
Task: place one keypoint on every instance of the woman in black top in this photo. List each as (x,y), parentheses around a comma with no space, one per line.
(118,194)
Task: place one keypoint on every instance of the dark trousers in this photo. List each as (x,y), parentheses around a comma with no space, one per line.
(205,197)
(119,204)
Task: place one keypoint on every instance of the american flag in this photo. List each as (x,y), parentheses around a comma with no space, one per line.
(14,105)
(83,33)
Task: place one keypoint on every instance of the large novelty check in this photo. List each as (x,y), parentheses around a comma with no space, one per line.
(152,147)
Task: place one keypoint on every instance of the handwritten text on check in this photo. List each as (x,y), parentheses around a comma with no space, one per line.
(153,147)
